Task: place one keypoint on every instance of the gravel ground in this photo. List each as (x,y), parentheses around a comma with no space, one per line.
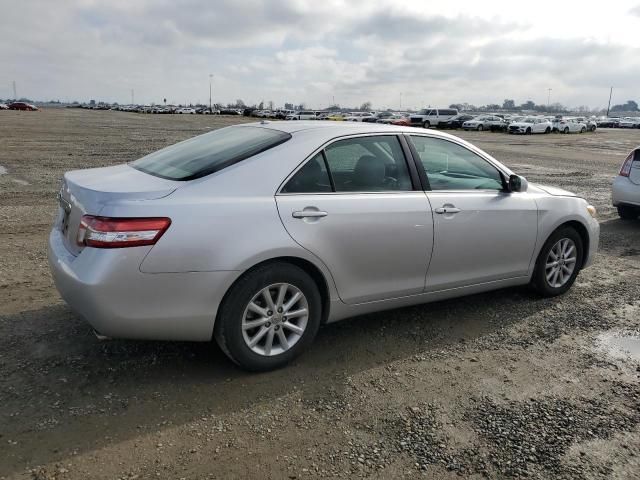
(498,385)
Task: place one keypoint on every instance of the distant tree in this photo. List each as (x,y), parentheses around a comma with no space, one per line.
(270,105)
(528,105)
(288,106)
(366,106)
(261,106)
(457,106)
(508,104)
(630,106)
(493,106)
(333,108)
(239,103)
(92,102)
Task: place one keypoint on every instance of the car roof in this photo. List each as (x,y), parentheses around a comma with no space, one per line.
(328,129)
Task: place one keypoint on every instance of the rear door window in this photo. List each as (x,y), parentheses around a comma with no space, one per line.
(368,164)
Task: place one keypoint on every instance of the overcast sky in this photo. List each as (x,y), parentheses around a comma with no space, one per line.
(427,53)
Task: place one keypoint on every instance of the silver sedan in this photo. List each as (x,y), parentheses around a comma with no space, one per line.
(257,234)
(626,187)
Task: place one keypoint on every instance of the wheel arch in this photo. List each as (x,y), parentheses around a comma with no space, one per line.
(580,228)
(307,266)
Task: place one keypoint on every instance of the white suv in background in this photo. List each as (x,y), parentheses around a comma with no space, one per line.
(432,117)
(626,187)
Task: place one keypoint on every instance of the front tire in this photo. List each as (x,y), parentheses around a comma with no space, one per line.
(528,132)
(480,128)
(558,263)
(548,130)
(566,130)
(426,124)
(628,213)
(270,316)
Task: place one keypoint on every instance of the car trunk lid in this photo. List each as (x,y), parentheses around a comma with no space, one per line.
(88,191)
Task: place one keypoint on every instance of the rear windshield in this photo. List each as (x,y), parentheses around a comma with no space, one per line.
(209,153)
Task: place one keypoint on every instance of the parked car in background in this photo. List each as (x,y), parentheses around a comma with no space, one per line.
(230,111)
(529,125)
(629,122)
(302,115)
(158,248)
(590,123)
(186,110)
(608,122)
(282,114)
(455,122)
(626,187)
(336,117)
(376,117)
(4,106)
(432,117)
(22,106)
(359,116)
(570,125)
(484,122)
(389,120)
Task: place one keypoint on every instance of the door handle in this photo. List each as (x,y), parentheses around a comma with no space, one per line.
(442,210)
(309,214)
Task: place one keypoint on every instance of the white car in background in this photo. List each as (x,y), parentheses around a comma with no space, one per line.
(302,115)
(626,187)
(529,125)
(358,116)
(3,106)
(629,122)
(186,111)
(570,125)
(484,122)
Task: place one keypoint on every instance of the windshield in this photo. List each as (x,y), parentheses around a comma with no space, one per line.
(209,153)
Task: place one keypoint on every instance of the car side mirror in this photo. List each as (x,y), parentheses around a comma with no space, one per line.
(517,183)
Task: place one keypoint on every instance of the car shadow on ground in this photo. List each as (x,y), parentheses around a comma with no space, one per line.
(66,381)
(66,390)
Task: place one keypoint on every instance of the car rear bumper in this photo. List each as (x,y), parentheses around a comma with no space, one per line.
(107,289)
(625,192)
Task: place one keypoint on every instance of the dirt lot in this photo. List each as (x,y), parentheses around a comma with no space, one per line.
(503,384)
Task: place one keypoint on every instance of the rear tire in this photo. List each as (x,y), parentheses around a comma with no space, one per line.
(528,132)
(233,336)
(628,213)
(548,130)
(545,267)
(426,124)
(583,129)
(480,128)
(566,130)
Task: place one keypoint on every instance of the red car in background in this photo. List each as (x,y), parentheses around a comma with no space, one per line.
(22,106)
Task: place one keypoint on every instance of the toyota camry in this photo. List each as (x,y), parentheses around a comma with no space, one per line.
(255,235)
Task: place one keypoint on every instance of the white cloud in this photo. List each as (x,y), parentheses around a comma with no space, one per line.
(313,52)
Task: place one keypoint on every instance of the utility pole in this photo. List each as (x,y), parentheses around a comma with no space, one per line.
(548,97)
(132,102)
(15,95)
(609,106)
(210,82)
(400,100)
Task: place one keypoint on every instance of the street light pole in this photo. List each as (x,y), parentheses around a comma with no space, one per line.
(548,97)
(609,106)
(210,81)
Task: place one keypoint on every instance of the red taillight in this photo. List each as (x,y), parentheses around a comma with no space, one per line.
(625,170)
(105,232)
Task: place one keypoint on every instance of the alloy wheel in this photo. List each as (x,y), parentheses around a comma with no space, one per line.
(275,319)
(561,262)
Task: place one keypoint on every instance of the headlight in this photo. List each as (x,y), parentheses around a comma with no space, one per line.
(592,210)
